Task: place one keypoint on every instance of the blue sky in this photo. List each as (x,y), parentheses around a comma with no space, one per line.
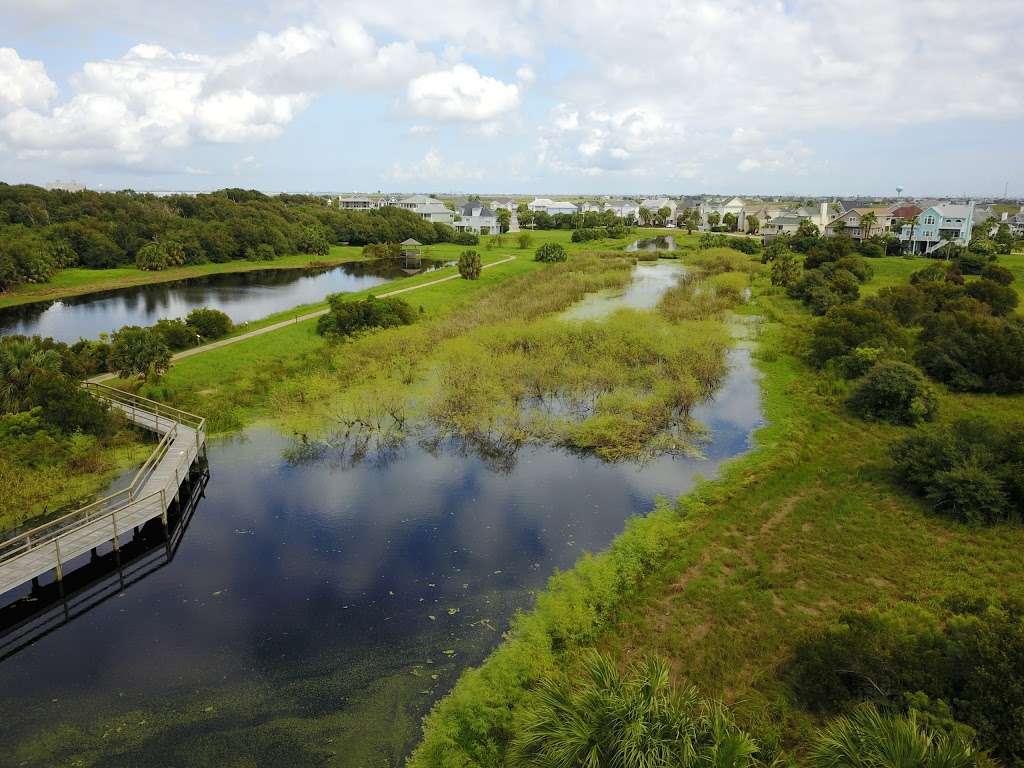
(743,96)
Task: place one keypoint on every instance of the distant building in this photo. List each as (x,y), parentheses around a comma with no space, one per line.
(355,203)
(429,209)
(622,208)
(551,207)
(906,212)
(589,206)
(67,185)
(938,225)
(475,217)
(508,205)
(788,222)
(849,223)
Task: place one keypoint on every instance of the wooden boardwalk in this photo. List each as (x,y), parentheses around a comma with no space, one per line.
(154,488)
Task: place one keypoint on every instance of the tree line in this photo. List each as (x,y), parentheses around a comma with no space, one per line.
(42,231)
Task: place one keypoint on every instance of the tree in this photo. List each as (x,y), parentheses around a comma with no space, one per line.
(870,738)
(753,224)
(504,219)
(347,317)
(550,252)
(729,220)
(636,720)
(785,269)
(469,265)
(713,218)
(151,257)
(524,239)
(662,215)
(644,215)
(867,221)
(138,351)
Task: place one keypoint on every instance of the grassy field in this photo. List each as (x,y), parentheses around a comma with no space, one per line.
(726,582)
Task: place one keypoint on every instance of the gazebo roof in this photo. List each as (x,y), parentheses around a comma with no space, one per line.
(410,241)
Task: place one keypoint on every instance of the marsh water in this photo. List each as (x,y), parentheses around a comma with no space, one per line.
(317,607)
(660,243)
(245,296)
(650,281)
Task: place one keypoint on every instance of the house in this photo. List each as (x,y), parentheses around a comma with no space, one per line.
(508,205)
(589,206)
(622,208)
(853,203)
(551,207)
(685,204)
(355,203)
(848,223)
(429,209)
(655,204)
(473,216)
(788,222)
(906,212)
(937,225)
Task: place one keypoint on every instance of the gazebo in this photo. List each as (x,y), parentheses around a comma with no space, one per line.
(411,253)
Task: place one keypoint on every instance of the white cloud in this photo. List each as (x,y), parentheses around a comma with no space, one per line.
(23,83)
(433,167)
(461,93)
(748,164)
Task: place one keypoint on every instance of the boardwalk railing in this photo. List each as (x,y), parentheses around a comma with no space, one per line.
(129,501)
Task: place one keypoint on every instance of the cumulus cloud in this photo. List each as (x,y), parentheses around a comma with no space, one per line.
(461,93)
(23,83)
(433,167)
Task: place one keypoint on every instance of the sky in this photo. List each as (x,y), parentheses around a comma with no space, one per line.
(519,96)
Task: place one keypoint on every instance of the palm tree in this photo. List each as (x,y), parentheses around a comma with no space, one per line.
(645,215)
(20,360)
(637,720)
(870,738)
(867,221)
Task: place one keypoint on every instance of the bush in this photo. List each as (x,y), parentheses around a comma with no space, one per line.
(895,392)
(550,252)
(785,269)
(972,471)
(209,323)
(469,265)
(266,252)
(962,663)
(1001,298)
(906,304)
(177,334)
(465,238)
(857,267)
(997,274)
(138,351)
(846,328)
(524,239)
(592,233)
(348,317)
(936,273)
(971,262)
(973,353)
(871,250)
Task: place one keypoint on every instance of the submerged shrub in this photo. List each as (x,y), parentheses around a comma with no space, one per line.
(895,392)
(550,252)
(347,317)
(469,265)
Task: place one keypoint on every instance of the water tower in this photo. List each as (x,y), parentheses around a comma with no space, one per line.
(899,192)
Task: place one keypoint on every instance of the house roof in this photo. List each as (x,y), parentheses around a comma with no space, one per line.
(410,241)
(420,200)
(853,203)
(467,208)
(954,210)
(906,212)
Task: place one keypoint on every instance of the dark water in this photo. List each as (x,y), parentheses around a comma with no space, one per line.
(314,610)
(660,243)
(245,296)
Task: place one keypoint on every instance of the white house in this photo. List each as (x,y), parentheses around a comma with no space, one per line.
(429,209)
(654,204)
(551,207)
(508,205)
(938,224)
(475,217)
(622,208)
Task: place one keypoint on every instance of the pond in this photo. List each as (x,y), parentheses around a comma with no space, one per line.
(650,282)
(660,243)
(245,296)
(315,609)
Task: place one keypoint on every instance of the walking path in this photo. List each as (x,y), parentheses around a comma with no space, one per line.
(299,319)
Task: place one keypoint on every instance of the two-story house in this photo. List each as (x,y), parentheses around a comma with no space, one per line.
(551,207)
(622,208)
(852,224)
(938,225)
(429,209)
(355,203)
(475,217)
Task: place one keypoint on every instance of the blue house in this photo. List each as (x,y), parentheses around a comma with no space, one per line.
(937,225)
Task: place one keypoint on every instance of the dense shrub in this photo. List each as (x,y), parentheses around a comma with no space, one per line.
(587,234)
(937,273)
(65,405)
(971,262)
(973,352)
(347,317)
(135,350)
(895,392)
(176,334)
(973,470)
(846,328)
(464,238)
(962,664)
(828,250)
(741,244)
(469,265)
(857,267)
(524,239)
(821,289)
(209,323)
(871,250)
(1001,298)
(997,274)
(550,252)
(906,304)
(785,269)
